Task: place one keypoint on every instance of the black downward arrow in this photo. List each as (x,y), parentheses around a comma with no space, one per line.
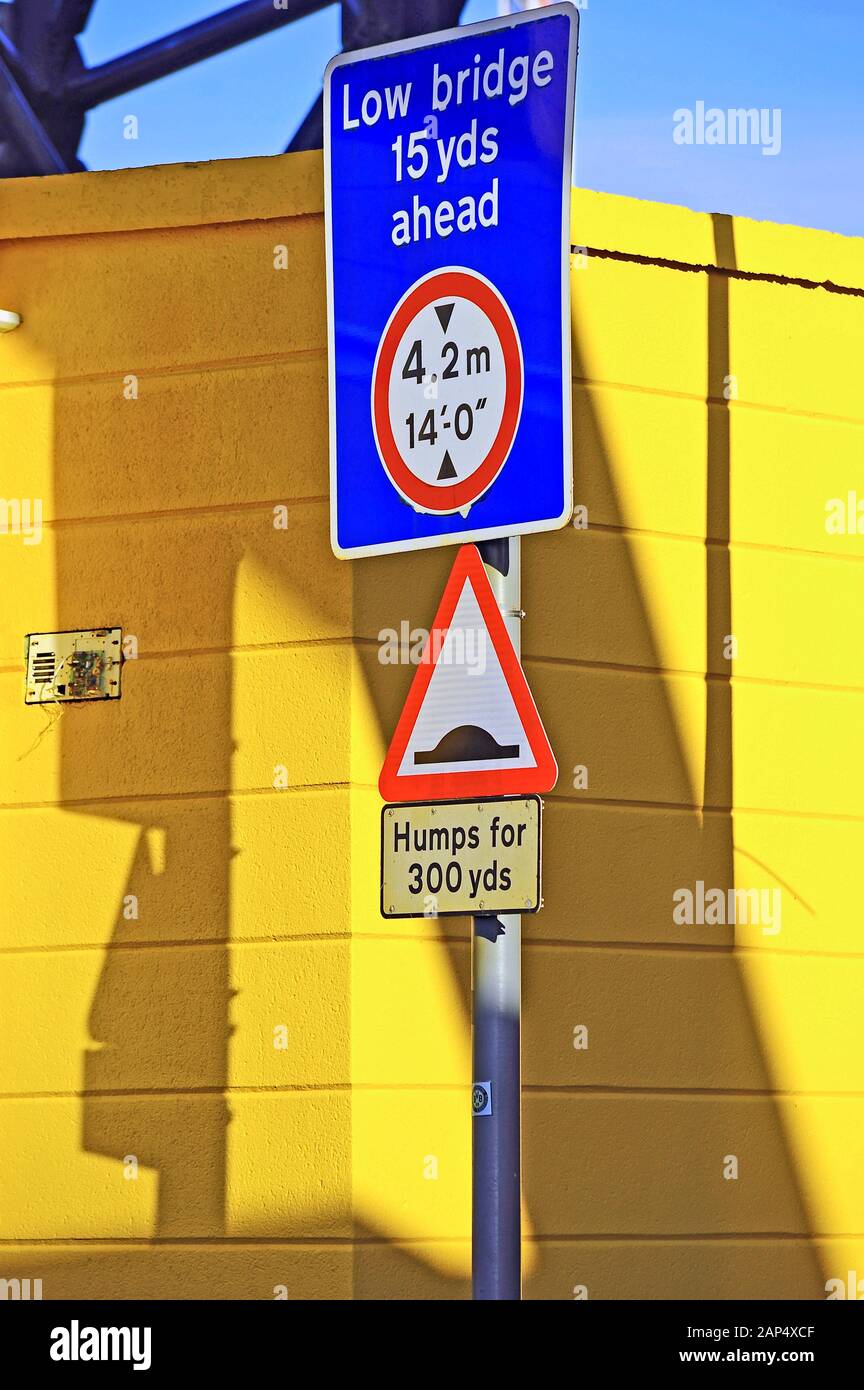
(445,313)
(447,470)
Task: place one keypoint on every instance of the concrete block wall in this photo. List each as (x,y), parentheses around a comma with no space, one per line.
(190,875)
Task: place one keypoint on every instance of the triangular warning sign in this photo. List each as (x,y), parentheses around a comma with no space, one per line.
(470,726)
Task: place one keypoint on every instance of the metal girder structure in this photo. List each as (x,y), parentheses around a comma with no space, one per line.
(365,22)
(46,90)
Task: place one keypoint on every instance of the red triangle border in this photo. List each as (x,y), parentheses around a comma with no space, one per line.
(447,786)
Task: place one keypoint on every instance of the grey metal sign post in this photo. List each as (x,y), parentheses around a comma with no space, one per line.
(496,980)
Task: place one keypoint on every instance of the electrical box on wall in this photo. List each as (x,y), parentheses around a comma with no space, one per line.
(73,666)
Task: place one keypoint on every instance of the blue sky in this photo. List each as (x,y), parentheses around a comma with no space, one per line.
(639,62)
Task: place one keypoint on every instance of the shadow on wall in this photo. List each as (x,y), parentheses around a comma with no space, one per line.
(623,1172)
(588,1155)
(159,1017)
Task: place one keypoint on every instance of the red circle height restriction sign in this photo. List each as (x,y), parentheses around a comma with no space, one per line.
(447,390)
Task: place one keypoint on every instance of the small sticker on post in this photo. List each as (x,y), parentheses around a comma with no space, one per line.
(481,1098)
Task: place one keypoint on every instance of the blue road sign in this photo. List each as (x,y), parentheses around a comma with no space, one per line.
(448,165)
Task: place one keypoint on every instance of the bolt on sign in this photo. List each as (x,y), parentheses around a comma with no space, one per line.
(447,179)
(458,858)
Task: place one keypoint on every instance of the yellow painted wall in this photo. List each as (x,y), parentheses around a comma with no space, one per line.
(717,409)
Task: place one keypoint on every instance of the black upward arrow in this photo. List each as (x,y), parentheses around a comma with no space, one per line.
(445,313)
(447,470)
